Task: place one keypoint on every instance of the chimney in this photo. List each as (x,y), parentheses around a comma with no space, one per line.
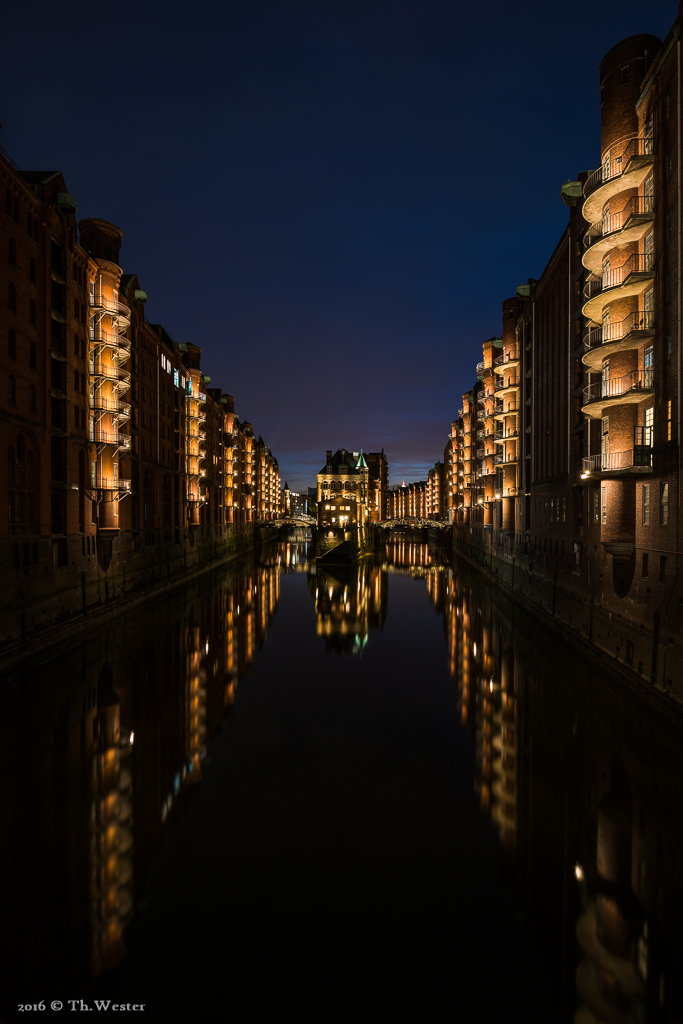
(329,455)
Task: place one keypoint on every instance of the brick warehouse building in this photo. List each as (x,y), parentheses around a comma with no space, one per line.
(563,467)
(119,458)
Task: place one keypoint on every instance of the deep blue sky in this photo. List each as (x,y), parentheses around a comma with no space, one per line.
(330,198)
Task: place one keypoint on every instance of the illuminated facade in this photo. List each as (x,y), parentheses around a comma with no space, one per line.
(118,455)
(568,446)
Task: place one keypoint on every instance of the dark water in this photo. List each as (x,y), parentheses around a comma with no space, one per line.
(370,791)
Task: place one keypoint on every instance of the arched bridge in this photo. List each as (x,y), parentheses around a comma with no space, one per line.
(415,521)
(297,520)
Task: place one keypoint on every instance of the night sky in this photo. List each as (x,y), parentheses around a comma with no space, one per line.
(331,199)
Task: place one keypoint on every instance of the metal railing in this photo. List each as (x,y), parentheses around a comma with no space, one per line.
(639,457)
(511,382)
(637,206)
(616,161)
(119,308)
(98,436)
(109,405)
(639,263)
(110,483)
(617,387)
(480,367)
(99,369)
(511,356)
(98,337)
(641,320)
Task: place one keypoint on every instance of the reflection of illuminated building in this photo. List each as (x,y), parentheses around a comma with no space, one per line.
(612,931)
(349,604)
(111,831)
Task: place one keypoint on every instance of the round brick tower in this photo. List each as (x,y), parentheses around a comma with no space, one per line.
(619,253)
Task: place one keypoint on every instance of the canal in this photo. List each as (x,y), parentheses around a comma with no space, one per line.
(362,790)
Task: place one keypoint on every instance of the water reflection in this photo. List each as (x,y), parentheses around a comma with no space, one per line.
(581,780)
(105,747)
(349,602)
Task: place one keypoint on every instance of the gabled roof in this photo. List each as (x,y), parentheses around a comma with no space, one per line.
(350,460)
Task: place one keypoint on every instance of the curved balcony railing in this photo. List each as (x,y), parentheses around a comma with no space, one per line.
(118,373)
(641,320)
(511,382)
(637,206)
(616,161)
(480,432)
(197,396)
(117,308)
(617,387)
(110,483)
(109,340)
(481,398)
(639,457)
(480,367)
(460,413)
(98,436)
(511,356)
(110,405)
(639,263)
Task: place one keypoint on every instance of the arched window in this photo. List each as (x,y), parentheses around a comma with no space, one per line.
(32,355)
(20,450)
(76,379)
(11,390)
(32,270)
(76,344)
(77,308)
(12,297)
(12,254)
(77,418)
(32,398)
(31,311)
(12,345)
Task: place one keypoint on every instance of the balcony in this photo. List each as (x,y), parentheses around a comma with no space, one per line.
(106,339)
(110,483)
(501,412)
(110,405)
(112,437)
(632,332)
(507,384)
(117,310)
(626,165)
(634,221)
(481,398)
(636,461)
(480,370)
(632,387)
(501,437)
(108,372)
(632,278)
(509,358)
